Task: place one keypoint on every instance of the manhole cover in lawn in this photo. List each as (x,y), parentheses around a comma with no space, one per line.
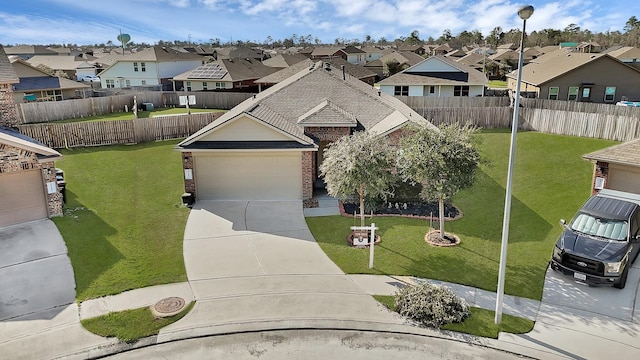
(168,306)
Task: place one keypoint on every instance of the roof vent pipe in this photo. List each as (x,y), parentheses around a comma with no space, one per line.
(327,66)
(344,77)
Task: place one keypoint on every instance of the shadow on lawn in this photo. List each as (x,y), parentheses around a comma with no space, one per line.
(483,212)
(85,235)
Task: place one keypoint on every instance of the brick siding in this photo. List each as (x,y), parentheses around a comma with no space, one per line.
(601,170)
(327,133)
(307,174)
(8,112)
(187,163)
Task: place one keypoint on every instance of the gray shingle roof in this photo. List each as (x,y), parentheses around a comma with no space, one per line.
(285,103)
(465,76)
(626,153)
(7,73)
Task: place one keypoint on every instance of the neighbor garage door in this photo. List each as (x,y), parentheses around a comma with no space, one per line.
(249,176)
(624,178)
(21,197)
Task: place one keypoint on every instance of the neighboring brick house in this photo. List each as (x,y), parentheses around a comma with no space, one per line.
(28,187)
(617,167)
(270,146)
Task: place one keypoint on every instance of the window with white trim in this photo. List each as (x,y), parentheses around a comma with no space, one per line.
(110,83)
(127,83)
(401,90)
(143,67)
(204,85)
(188,85)
(573,93)
(135,66)
(144,82)
(553,93)
(609,93)
(220,85)
(461,90)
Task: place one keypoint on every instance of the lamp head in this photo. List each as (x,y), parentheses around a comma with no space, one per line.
(525,12)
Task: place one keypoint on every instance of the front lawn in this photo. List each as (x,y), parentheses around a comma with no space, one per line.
(551,181)
(123,223)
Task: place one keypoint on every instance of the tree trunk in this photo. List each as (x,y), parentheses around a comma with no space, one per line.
(441,216)
(361,193)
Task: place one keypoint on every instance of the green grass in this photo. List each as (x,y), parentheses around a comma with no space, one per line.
(551,181)
(497,84)
(123,223)
(129,115)
(131,325)
(480,323)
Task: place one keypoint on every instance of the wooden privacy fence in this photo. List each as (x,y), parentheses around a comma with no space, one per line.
(40,112)
(592,125)
(135,131)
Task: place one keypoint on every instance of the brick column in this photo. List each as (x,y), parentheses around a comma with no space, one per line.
(307,174)
(187,164)
(54,200)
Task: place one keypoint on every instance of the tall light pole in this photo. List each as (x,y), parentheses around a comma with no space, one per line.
(524,13)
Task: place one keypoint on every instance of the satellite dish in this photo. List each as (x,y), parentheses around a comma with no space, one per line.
(124,38)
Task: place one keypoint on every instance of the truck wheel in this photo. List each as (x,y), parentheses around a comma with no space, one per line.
(623,279)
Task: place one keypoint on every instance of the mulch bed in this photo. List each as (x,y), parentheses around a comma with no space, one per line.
(416,210)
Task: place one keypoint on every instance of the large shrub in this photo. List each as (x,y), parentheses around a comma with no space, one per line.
(431,305)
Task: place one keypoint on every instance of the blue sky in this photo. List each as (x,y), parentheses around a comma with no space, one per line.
(94,22)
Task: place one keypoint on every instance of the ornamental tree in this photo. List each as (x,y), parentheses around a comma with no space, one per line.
(359,164)
(443,162)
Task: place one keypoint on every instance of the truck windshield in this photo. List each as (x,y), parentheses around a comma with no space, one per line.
(605,228)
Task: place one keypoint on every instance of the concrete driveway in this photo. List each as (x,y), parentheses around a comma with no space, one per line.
(255,265)
(582,322)
(36,276)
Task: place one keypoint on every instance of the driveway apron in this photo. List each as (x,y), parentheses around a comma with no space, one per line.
(255,265)
(35,271)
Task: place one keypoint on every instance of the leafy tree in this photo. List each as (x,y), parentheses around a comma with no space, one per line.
(358,164)
(443,162)
(414,38)
(392,67)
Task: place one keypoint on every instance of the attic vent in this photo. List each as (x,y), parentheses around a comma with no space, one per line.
(593,56)
(327,66)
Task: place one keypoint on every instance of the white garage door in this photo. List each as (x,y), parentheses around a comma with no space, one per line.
(624,178)
(249,176)
(21,197)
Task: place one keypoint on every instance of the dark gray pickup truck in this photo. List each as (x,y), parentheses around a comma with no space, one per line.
(601,242)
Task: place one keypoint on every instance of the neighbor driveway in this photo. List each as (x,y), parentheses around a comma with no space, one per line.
(35,271)
(583,322)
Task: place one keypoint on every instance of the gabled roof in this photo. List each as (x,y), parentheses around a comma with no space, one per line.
(14,138)
(371,49)
(312,91)
(7,73)
(627,52)
(357,71)
(627,153)
(56,62)
(284,60)
(228,70)
(158,54)
(403,58)
(437,70)
(556,64)
(325,51)
(29,50)
(352,50)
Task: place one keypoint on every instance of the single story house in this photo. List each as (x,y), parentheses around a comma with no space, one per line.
(224,74)
(573,76)
(37,85)
(436,76)
(270,146)
(617,167)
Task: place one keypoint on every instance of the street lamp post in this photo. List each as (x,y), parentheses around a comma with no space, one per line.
(524,13)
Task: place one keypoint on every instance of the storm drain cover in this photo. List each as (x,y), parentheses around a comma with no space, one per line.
(168,306)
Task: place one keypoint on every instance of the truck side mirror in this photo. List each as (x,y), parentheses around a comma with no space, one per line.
(563,223)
